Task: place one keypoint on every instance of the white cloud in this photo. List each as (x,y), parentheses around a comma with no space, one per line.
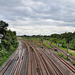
(39,16)
(43,30)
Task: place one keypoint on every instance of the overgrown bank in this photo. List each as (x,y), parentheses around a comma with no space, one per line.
(9,42)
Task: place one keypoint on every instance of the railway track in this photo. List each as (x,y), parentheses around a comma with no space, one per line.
(18,58)
(38,62)
(62,51)
(65,63)
(47,66)
(17,67)
(7,65)
(50,63)
(33,69)
(72,68)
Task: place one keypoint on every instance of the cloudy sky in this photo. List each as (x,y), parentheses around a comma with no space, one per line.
(35,17)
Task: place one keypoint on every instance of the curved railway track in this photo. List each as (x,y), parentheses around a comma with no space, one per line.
(62,51)
(18,58)
(7,65)
(18,66)
(72,68)
(38,62)
(64,62)
(49,66)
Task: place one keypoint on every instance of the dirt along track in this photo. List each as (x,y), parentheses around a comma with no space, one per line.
(30,59)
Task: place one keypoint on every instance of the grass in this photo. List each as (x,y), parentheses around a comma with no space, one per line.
(63,56)
(2,60)
(72,53)
(73,63)
(44,42)
(38,44)
(4,55)
(65,49)
(31,49)
(60,54)
(33,39)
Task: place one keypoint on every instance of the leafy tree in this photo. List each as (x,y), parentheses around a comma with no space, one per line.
(54,40)
(72,44)
(14,32)
(55,36)
(3,27)
(68,36)
(63,42)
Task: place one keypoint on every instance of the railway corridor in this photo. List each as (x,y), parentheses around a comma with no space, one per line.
(29,59)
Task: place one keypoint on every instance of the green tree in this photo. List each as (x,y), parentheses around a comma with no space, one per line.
(68,36)
(72,44)
(55,36)
(55,40)
(3,27)
(63,42)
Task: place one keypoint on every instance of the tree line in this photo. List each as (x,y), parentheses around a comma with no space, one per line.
(9,41)
(64,38)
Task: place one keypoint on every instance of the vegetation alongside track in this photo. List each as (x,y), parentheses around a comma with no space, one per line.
(31,49)
(44,42)
(63,56)
(9,42)
(63,39)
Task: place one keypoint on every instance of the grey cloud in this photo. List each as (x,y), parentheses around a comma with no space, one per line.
(10,3)
(32,12)
(59,9)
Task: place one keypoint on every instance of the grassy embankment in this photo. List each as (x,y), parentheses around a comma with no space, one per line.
(65,49)
(5,51)
(63,56)
(60,54)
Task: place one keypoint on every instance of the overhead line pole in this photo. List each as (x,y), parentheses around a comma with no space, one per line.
(67,51)
(9,40)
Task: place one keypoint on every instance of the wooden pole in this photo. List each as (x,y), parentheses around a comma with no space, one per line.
(9,40)
(50,41)
(67,51)
(58,42)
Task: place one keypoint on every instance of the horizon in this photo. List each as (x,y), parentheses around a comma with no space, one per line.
(45,35)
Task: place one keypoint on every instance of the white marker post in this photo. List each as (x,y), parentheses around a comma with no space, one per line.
(0,39)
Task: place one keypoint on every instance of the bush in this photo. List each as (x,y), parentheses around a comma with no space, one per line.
(63,42)
(72,44)
(3,52)
(54,40)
